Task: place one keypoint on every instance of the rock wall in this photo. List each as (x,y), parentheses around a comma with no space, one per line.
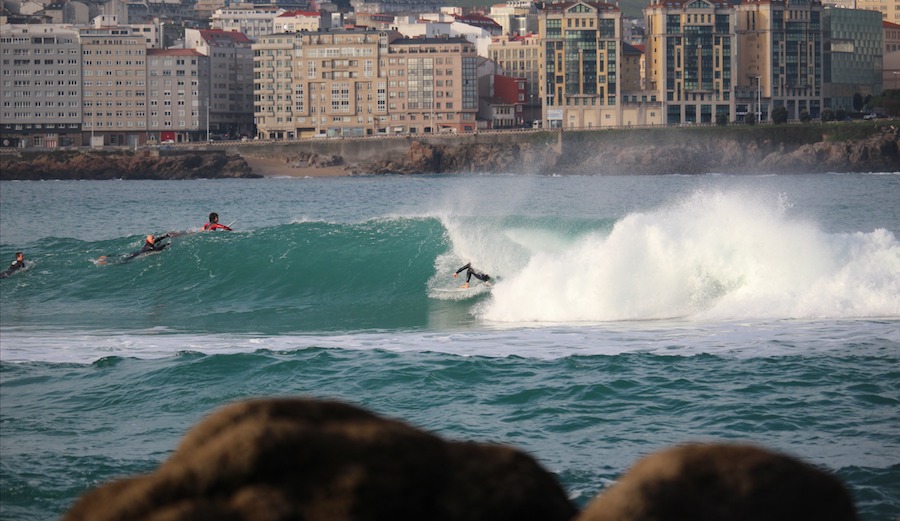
(122,165)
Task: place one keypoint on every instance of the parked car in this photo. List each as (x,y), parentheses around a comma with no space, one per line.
(871,116)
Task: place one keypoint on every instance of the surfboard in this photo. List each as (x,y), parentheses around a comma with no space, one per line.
(471,289)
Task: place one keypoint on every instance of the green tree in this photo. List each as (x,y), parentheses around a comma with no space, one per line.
(779,115)
(827,115)
(721,119)
(804,116)
(750,118)
(840,115)
(858,102)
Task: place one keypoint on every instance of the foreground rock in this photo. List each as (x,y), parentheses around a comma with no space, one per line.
(315,460)
(722,483)
(141,164)
(301,459)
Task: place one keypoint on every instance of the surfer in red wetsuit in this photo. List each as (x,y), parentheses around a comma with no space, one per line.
(471,272)
(213,224)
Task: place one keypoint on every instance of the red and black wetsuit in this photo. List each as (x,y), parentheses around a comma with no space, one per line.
(211,226)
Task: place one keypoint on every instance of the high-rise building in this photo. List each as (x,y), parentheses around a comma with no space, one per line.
(690,58)
(853,58)
(579,81)
(115,85)
(889,9)
(40,85)
(178,80)
(780,57)
(520,57)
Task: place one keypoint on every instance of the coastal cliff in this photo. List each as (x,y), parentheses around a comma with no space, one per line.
(777,149)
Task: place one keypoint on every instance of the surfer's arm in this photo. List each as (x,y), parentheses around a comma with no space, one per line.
(464,268)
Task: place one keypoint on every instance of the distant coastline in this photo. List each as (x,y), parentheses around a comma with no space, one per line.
(809,148)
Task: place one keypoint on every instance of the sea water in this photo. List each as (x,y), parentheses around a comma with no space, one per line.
(628,314)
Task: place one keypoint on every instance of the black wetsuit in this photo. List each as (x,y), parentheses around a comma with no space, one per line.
(148,247)
(14,267)
(472,273)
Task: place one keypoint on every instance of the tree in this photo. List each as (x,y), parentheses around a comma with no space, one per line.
(840,115)
(827,115)
(750,118)
(721,119)
(804,116)
(779,115)
(858,102)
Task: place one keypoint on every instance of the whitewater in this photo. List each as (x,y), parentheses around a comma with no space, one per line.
(627,314)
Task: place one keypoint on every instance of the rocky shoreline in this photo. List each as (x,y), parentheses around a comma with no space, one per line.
(773,149)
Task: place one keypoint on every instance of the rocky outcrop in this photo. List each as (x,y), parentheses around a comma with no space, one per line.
(296,459)
(677,151)
(303,459)
(122,165)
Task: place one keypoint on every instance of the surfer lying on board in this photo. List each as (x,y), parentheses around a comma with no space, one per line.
(471,272)
(213,224)
(16,265)
(151,244)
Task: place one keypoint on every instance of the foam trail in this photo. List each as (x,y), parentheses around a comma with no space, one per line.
(713,256)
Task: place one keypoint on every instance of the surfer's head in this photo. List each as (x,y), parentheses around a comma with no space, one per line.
(150,239)
(214,217)
(20,256)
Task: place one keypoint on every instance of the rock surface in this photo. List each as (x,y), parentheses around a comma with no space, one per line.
(122,165)
(296,459)
(311,460)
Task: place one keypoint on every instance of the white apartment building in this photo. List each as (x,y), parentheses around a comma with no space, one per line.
(40,85)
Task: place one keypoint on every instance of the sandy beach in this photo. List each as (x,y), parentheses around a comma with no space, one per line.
(269,167)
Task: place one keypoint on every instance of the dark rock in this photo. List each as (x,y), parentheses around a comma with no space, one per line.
(296,459)
(712,482)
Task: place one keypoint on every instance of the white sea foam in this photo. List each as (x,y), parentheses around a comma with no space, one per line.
(712,256)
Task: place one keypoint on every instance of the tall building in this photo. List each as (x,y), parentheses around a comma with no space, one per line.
(230,93)
(178,80)
(432,85)
(780,61)
(520,57)
(690,58)
(114,72)
(889,9)
(252,21)
(40,86)
(308,84)
(579,80)
(853,61)
(891,61)
(516,17)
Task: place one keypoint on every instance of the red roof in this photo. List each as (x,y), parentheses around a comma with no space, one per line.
(889,25)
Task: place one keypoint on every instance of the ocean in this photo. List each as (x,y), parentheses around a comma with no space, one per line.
(628,314)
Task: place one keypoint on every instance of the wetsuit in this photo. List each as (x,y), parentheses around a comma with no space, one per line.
(212,226)
(472,273)
(15,266)
(150,246)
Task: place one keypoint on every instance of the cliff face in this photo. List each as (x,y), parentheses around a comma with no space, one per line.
(122,165)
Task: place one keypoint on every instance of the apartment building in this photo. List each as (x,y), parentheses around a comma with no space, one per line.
(114,69)
(319,83)
(781,60)
(250,20)
(177,81)
(690,58)
(296,21)
(520,57)
(515,17)
(40,86)
(432,85)
(579,76)
(853,55)
(889,9)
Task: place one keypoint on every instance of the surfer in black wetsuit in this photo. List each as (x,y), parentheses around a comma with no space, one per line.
(471,272)
(151,244)
(16,265)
